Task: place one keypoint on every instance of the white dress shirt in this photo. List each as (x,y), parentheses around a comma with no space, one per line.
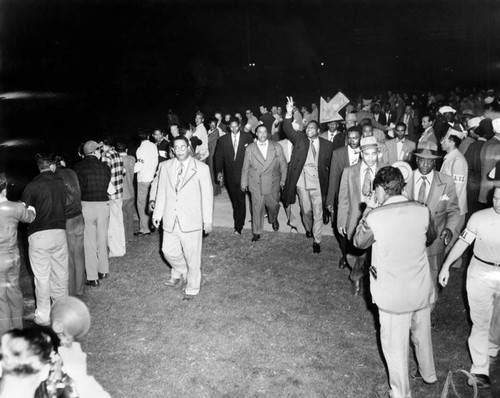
(417,181)
(263,148)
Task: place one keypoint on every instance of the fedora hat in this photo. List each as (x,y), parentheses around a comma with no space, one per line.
(428,151)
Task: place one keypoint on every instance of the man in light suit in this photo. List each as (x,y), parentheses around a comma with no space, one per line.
(263,174)
(185,203)
(354,194)
(307,174)
(437,192)
(400,148)
(400,279)
(428,133)
(229,155)
(341,158)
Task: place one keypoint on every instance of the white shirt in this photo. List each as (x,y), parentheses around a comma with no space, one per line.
(147,161)
(202,134)
(353,156)
(399,148)
(263,148)
(236,140)
(315,143)
(331,135)
(418,180)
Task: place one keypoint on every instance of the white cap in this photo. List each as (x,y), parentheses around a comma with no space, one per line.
(474,122)
(446,109)
(496,125)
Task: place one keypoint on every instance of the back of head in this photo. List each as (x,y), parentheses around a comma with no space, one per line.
(45,160)
(390,179)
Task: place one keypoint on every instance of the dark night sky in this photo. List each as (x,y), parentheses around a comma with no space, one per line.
(147,55)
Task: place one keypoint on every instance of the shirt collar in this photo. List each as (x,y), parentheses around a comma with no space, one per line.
(418,176)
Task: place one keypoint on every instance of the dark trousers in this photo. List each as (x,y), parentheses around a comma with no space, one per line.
(238,201)
(341,239)
(76,256)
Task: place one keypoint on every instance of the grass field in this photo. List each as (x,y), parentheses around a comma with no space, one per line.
(271,320)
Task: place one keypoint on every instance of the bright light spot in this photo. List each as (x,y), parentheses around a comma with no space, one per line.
(322,64)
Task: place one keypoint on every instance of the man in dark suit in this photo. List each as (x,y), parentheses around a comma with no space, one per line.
(334,135)
(401,147)
(341,158)
(387,116)
(308,174)
(411,122)
(229,156)
(263,174)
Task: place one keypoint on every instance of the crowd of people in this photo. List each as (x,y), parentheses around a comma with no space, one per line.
(412,176)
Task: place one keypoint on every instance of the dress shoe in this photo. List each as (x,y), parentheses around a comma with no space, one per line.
(316,247)
(92,283)
(276,225)
(342,263)
(326,217)
(356,287)
(139,234)
(293,230)
(482,381)
(237,231)
(255,237)
(188,297)
(415,375)
(309,234)
(40,322)
(103,275)
(173,282)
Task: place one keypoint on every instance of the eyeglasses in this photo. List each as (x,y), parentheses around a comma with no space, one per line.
(180,148)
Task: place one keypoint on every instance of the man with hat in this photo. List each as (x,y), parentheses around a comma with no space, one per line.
(350,120)
(437,191)
(469,137)
(444,120)
(334,134)
(94,177)
(354,194)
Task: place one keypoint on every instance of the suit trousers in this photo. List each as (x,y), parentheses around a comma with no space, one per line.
(394,338)
(183,252)
(238,201)
(76,255)
(116,230)
(128,218)
(311,206)
(11,297)
(48,253)
(483,288)
(293,214)
(95,238)
(142,199)
(495,328)
(260,203)
(341,239)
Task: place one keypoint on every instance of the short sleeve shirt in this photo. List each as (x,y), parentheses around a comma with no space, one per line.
(484,228)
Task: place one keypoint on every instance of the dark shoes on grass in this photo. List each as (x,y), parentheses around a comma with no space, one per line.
(103,275)
(92,283)
(482,381)
(415,375)
(276,226)
(173,282)
(309,234)
(255,237)
(316,247)
(342,263)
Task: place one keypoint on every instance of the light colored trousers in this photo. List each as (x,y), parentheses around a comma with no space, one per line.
(311,207)
(142,200)
(183,252)
(394,338)
(11,297)
(260,202)
(483,288)
(292,212)
(48,252)
(116,230)
(95,238)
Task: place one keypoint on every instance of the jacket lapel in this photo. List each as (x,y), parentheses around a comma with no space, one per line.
(356,189)
(270,156)
(190,172)
(436,191)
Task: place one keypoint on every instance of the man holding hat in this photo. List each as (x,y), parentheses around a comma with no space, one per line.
(355,192)
(437,191)
(94,177)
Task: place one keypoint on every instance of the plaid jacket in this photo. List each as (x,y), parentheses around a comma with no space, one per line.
(115,163)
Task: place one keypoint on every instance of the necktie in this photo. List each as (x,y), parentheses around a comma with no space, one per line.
(367,183)
(313,149)
(179,178)
(422,190)
(331,137)
(235,146)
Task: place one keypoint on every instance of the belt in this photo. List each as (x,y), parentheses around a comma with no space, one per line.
(487,262)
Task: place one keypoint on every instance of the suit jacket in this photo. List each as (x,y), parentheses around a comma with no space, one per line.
(225,160)
(411,127)
(350,207)
(263,176)
(382,119)
(442,202)
(338,140)
(392,151)
(427,136)
(192,204)
(340,160)
(299,154)
(399,230)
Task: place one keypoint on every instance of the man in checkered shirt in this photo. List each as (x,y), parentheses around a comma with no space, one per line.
(116,230)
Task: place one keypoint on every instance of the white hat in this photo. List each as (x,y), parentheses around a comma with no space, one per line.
(446,109)
(457,133)
(405,169)
(496,125)
(488,100)
(369,142)
(474,122)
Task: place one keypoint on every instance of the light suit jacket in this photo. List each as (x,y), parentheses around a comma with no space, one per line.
(192,204)
(442,202)
(392,150)
(350,208)
(263,176)
(399,231)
